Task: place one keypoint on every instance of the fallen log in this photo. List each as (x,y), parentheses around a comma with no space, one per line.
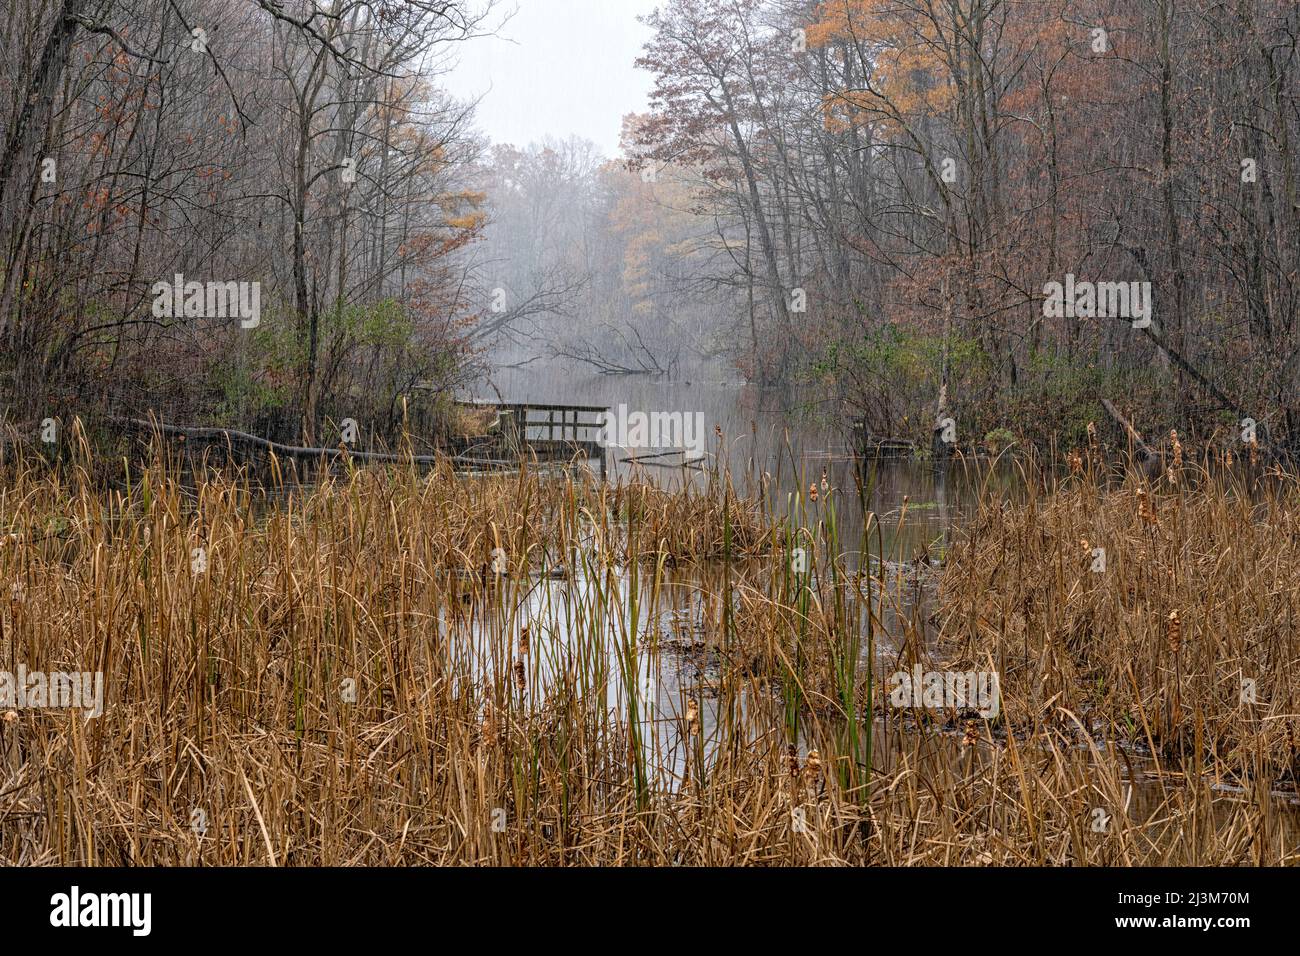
(1149,457)
(297,451)
(690,464)
(660,454)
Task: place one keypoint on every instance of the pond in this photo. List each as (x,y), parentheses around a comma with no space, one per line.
(768,443)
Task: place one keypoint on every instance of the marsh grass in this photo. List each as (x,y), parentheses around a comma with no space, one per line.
(1184,647)
(353,680)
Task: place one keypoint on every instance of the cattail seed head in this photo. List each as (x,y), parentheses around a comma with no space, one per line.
(812,768)
(1145,511)
(1174,632)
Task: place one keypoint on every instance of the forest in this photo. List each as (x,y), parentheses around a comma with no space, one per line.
(861,203)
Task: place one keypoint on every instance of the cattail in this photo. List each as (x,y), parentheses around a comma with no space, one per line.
(1254,451)
(520,680)
(812,768)
(812,492)
(1076,461)
(1178,448)
(1171,476)
(825,485)
(1086,546)
(1145,511)
(792,760)
(692,719)
(1174,632)
(523,641)
(1092,435)
(717,430)
(489,723)
(972,735)
(1227,458)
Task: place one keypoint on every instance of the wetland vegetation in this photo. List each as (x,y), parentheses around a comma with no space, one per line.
(352,674)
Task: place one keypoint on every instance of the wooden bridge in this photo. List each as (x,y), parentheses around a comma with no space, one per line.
(546,431)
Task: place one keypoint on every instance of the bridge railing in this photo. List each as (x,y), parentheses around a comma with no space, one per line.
(549,431)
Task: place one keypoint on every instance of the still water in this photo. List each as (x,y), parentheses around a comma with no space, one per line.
(766,435)
(767,439)
(772,438)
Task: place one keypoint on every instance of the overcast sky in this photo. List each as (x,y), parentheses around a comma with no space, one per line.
(558,67)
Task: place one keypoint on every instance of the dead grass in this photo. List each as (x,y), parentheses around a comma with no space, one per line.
(1192,618)
(351,681)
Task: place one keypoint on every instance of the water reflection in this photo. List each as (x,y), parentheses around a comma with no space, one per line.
(774,448)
